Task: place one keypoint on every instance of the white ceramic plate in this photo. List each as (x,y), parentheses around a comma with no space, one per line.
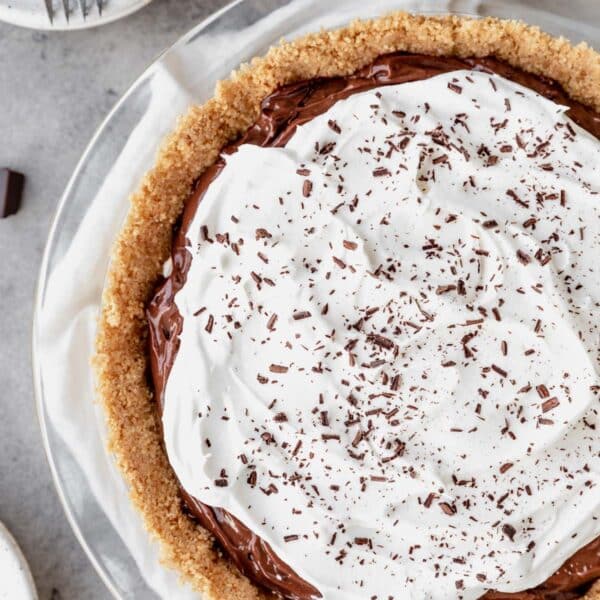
(33,13)
(16,582)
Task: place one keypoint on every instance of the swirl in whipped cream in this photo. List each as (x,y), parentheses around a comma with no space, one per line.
(389,355)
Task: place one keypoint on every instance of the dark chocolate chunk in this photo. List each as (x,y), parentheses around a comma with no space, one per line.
(11,190)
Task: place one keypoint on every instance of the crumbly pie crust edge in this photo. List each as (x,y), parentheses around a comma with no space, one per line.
(144,243)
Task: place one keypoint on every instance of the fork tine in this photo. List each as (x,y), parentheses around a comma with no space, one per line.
(99,4)
(83,8)
(49,10)
(66,8)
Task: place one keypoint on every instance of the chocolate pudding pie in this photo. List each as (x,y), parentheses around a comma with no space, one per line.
(349,339)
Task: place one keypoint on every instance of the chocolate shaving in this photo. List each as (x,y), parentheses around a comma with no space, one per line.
(301,314)
(523,257)
(542,391)
(448,508)
(262,234)
(499,370)
(381,172)
(271,322)
(307,187)
(334,126)
(516,198)
(490,224)
(550,404)
(509,531)
(429,500)
(380,340)
(444,289)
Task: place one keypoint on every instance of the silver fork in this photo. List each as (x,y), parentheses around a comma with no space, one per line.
(67,8)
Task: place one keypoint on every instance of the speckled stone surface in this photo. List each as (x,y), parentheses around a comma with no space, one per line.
(55,88)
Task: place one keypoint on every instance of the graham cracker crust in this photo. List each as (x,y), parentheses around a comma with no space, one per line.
(144,243)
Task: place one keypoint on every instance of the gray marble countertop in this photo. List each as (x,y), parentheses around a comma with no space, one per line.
(55,88)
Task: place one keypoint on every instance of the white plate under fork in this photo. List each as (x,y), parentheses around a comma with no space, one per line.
(66,14)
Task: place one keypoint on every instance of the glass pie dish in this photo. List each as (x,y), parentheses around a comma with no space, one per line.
(91,213)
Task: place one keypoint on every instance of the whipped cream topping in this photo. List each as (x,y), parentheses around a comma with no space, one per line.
(389,363)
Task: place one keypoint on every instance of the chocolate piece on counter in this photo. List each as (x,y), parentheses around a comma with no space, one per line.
(11,190)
